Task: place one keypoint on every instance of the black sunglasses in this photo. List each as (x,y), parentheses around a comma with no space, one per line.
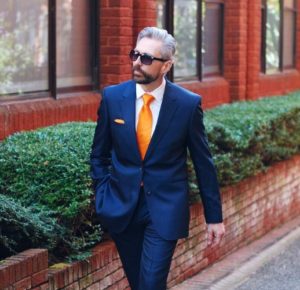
(145,58)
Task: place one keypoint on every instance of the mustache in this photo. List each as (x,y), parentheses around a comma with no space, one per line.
(138,69)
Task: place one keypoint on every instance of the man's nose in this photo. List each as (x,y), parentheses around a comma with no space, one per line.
(138,60)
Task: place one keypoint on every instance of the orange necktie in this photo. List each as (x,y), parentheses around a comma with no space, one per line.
(144,126)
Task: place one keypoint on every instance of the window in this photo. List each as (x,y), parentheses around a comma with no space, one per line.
(289,33)
(197,25)
(278,35)
(161,13)
(212,38)
(47,46)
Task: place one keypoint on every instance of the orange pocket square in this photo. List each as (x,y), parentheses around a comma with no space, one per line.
(119,121)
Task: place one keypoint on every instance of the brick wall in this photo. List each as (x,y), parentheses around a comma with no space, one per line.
(251,208)
(28,115)
(28,270)
(235,47)
(120,22)
(214,91)
(116,22)
(253,49)
(277,84)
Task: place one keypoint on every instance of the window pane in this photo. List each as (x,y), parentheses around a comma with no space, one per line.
(161,13)
(73,43)
(273,35)
(212,37)
(263,38)
(288,38)
(185,32)
(23,46)
(289,3)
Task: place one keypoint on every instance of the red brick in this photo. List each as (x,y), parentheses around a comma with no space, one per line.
(44,286)
(86,281)
(5,278)
(120,3)
(118,275)
(23,284)
(99,274)
(39,278)
(95,286)
(120,285)
(74,286)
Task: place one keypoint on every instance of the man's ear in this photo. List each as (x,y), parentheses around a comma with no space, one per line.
(166,66)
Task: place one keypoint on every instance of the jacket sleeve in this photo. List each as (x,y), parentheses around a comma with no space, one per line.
(204,166)
(100,158)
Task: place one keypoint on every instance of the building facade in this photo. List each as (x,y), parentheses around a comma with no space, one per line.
(57,55)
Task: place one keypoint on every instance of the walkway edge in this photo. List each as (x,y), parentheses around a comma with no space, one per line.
(235,268)
(240,275)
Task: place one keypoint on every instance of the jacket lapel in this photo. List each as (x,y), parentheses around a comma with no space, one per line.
(128,104)
(167,110)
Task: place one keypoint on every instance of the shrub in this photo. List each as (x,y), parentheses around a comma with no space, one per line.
(49,168)
(247,137)
(23,228)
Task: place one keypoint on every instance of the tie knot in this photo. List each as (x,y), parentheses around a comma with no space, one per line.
(147,99)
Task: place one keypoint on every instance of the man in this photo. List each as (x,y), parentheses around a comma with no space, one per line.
(138,163)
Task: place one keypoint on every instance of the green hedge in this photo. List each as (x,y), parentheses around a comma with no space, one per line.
(49,168)
(23,228)
(247,137)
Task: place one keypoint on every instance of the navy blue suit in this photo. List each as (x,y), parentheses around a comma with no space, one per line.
(118,170)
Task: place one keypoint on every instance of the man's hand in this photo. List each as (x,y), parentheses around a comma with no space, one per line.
(215,233)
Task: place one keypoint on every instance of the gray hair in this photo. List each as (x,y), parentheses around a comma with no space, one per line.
(169,43)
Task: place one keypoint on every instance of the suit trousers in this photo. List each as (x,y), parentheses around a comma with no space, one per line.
(146,257)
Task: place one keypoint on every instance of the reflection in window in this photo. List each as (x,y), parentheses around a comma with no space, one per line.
(289,27)
(161,13)
(73,43)
(185,33)
(47,45)
(23,46)
(278,35)
(212,38)
(197,26)
(273,35)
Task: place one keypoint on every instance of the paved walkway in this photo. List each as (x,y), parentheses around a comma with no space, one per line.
(270,263)
(280,273)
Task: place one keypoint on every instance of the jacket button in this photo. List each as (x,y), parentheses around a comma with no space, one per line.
(148,192)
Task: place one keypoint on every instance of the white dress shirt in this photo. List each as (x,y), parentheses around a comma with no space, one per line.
(155,105)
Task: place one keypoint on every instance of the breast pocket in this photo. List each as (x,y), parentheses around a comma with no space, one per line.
(119,130)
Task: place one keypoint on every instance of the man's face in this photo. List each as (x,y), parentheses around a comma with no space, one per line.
(147,74)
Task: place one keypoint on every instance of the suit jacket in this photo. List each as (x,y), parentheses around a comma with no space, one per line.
(117,169)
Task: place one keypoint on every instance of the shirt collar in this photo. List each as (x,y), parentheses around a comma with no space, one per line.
(158,93)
